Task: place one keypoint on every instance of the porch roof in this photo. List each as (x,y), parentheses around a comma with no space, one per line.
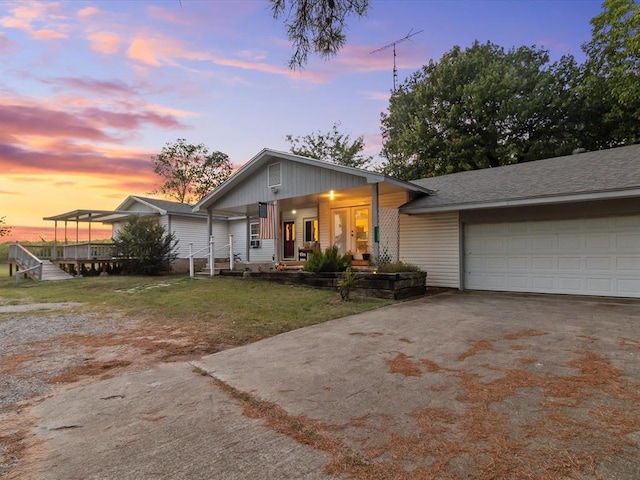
(91,216)
(267,155)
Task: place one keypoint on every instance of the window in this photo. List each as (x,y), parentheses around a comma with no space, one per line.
(254,230)
(310,230)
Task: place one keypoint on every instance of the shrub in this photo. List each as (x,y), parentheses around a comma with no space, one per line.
(397,267)
(348,282)
(144,247)
(328,261)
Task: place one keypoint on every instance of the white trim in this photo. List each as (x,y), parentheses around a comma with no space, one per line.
(525,201)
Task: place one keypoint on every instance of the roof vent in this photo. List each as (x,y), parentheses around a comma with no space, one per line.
(275,177)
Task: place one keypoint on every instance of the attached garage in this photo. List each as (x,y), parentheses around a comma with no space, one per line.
(566,225)
(588,256)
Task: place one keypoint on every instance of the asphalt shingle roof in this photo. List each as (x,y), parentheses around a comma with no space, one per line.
(591,172)
(168,206)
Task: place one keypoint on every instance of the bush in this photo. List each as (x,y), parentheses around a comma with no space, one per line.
(328,261)
(397,267)
(144,247)
(348,282)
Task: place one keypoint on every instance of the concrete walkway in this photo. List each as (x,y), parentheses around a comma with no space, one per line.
(456,385)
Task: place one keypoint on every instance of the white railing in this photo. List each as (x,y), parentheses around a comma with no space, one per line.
(88,251)
(30,263)
(212,250)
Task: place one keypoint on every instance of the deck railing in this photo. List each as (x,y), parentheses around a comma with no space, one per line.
(88,251)
(28,261)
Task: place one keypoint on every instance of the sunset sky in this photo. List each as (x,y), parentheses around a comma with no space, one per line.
(90,90)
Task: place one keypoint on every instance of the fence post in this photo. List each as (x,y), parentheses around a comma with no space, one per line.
(191,269)
(212,267)
(231,252)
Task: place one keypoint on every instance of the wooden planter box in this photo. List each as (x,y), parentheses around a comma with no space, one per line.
(381,285)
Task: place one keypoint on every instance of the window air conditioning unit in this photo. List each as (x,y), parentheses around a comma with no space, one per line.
(255,243)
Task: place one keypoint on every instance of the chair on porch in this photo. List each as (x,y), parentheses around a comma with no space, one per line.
(308,248)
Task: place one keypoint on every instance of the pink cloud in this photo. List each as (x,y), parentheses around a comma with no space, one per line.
(29,12)
(96,87)
(169,16)
(6,45)
(88,12)
(105,42)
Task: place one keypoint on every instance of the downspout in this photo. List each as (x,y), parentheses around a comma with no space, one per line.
(276,217)
(247,238)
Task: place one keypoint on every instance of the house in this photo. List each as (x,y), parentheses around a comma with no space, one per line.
(177,218)
(561,225)
(309,204)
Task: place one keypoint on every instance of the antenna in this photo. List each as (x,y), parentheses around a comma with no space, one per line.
(393,44)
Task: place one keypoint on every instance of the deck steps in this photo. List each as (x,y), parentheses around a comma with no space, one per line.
(53,272)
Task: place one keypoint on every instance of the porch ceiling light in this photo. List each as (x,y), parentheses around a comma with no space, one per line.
(332,195)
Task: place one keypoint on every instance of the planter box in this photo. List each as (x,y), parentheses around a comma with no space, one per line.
(381,285)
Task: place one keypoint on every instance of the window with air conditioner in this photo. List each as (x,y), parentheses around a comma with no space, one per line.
(255,232)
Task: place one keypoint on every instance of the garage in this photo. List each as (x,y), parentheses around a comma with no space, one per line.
(583,256)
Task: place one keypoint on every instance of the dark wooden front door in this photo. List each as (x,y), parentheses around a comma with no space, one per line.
(289,239)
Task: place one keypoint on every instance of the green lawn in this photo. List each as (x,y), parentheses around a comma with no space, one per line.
(234,310)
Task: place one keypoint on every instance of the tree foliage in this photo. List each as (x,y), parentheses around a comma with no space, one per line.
(4,230)
(332,146)
(189,172)
(477,108)
(316,26)
(144,247)
(611,75)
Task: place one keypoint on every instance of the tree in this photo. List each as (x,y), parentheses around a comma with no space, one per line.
(611,75)
(144,247)
(316,25)
(4,231)
(332,146)
(189,172)
(480,107)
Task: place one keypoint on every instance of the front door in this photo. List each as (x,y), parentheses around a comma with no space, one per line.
(289,239)
(350,229)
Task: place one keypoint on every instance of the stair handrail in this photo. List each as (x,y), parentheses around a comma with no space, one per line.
(31,264)
(212,250)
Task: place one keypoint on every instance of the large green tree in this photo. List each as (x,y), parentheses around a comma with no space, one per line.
(333,146)
(610,87)
(477,108)
(316,26)
(189,172)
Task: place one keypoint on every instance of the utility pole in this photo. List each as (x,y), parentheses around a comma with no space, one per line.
(393,45)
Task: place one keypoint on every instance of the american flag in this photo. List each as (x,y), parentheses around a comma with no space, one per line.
(266,212)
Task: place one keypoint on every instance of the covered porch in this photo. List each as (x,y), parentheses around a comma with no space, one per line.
(282,207)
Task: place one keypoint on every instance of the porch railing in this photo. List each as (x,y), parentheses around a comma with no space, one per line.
(212,250)
(31,264)
(88,251)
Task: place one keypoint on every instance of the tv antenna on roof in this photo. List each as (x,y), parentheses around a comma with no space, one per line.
(393,45)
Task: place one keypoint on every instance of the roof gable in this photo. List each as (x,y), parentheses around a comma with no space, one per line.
(248,182)
(163,207)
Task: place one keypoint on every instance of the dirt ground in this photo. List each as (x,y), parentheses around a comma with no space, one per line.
(45,349)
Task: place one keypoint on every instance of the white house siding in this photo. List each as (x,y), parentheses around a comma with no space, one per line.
(188,229)
(432,242)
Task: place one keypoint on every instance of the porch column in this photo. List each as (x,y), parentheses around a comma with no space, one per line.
(276,241)
(248,240)
(54,253)
(89,246)
(374,220)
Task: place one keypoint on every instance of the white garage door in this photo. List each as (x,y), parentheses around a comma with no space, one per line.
(594,256)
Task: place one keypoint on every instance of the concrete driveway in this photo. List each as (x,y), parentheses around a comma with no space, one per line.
(458,385)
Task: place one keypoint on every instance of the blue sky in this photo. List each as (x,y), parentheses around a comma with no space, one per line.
(89,90)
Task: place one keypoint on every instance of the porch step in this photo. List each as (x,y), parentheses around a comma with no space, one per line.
(53,272)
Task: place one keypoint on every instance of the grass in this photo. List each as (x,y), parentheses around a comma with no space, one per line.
(236,311)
